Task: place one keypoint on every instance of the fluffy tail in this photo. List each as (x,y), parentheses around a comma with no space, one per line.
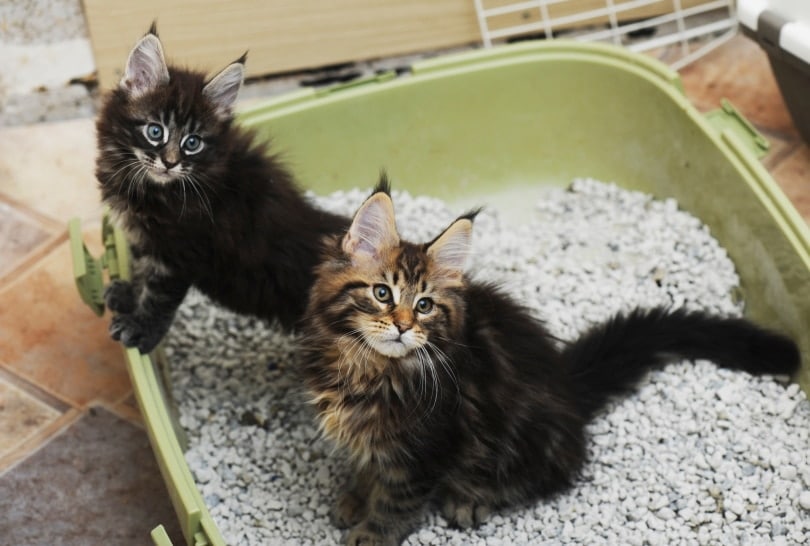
(610,358)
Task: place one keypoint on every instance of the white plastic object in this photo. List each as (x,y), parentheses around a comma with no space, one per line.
(696,27)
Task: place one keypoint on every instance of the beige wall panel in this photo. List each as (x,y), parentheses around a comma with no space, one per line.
(285,35)
(282,35)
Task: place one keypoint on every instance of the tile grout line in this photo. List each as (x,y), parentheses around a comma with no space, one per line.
(51,223)
(28,262)
(39,440)
(31,404)
(34,390)
(42,388)
(131,414)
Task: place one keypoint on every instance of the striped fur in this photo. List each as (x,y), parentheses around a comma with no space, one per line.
(480,408)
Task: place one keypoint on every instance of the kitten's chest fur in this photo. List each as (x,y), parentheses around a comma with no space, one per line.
(170,243)
(366,405)
(251,247)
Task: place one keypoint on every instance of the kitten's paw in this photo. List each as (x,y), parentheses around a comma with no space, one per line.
(135,332)
(361,536)
(465,514)
(348,511)
(120,297)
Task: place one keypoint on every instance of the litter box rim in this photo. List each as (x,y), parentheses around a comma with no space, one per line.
(728,130)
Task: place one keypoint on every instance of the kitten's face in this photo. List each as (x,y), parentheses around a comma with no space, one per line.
(403,303)
(395,298)
(169,144)
(163,127)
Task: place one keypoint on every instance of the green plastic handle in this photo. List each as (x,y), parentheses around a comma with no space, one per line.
(87,271)
(728,118)
(195,521)
(160,537)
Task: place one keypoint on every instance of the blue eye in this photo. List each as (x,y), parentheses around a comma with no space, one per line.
(382,293)
(154,133)
(192,144)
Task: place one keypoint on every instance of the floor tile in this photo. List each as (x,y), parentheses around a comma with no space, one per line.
(21,416)
(52,339)
(95,483)
(20,233)
(40,437)
(793,176)
(128,409)
(738,70)
(7,376)
(50,168)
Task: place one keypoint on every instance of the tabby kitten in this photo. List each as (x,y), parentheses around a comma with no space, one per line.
(201,202)
(442,388)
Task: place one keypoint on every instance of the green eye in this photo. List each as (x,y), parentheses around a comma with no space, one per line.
(382,293)
(192,144)
(154,132)
(424,305)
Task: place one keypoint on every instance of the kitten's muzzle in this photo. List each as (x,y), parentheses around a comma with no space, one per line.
(170,158)
(403,327)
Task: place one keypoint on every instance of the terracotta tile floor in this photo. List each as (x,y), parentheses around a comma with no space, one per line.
(72,449)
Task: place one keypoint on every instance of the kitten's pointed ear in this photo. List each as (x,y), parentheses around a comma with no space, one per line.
(146,67)
(373,229)
(450,250)
(223,89)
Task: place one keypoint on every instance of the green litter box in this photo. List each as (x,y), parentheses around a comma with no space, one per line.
(493,127)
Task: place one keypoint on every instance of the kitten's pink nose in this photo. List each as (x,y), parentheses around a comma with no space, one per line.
(170,157)
(403,327)
(403,320)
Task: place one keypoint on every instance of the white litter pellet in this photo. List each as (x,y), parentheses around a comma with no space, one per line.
(698,455)
(804,500)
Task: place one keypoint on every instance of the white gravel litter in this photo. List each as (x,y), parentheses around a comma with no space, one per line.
(698,456)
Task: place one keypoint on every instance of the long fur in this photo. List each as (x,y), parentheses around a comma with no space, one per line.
(235,225)
(488,411)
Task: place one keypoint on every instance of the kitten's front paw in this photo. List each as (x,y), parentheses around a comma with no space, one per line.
(361,536)
(348,511)
(120,297)
(134,332)
(465,514)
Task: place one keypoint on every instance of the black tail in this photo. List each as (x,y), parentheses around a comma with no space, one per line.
(610,358)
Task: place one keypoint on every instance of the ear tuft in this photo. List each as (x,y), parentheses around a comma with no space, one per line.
(384,184)
(373,229)
(146,67)
(223,89)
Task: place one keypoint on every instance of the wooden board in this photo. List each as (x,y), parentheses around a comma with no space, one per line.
(281,35)
(287,35)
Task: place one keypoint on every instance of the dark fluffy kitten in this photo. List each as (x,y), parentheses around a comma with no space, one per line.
(202,203)
(442,388)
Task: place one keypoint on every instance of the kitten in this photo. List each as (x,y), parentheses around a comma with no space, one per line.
(442,388)
(201,201)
